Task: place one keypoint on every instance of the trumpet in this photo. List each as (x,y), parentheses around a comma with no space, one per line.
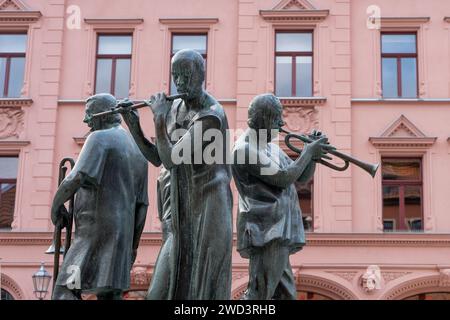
(368,167)
(137,105)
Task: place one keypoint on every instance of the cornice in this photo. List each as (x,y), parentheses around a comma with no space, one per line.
(182,21)
(313,239)
(402,142)
(19,17)
(113,21)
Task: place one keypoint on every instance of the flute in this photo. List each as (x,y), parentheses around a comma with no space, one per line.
(137,105)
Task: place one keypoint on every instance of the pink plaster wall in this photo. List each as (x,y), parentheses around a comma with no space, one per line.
(347,206)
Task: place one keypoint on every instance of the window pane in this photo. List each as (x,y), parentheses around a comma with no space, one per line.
(294,42)
(122,82)
(283,76)
(17,70)
(401,169)
(103,81)
(16,43)
(7,202)
(409,78)
(398,43)
(114,44)
(8,167)
(303,76)
(195,42)
(413,208)
(2,75)
(389,71)
(391,208)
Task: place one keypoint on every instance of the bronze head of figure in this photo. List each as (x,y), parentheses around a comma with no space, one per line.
(99,103)
(266,113)
(188,71)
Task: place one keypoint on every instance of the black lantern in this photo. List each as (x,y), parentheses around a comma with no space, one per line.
(41,281)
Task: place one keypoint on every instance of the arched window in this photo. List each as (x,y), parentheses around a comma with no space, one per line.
(6,295)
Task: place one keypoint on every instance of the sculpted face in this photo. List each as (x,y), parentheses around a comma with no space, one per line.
(92,123)
(96,104)
(188,73)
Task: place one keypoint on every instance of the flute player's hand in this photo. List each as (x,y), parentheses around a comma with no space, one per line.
(159,104)
(130,116)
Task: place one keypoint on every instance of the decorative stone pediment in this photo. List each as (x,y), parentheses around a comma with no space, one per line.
(16,12)
(13,5)
(402,133)
(294,5)
(298,11)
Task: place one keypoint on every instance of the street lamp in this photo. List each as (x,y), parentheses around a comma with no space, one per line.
(41,280)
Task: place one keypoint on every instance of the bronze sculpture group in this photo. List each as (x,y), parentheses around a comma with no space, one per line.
(193,193)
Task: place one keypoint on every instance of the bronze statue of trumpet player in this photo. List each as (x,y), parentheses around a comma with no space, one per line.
(369,167)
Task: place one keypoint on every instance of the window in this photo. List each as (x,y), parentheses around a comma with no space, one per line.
(305,197)
(113,64)
(293,64)
(5,295)
(399,65)
(12,64)
(402,194)
(197,42)
(8,181)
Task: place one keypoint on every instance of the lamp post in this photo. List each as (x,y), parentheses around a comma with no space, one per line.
(41,280)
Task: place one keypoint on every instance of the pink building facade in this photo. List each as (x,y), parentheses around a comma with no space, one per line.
(373,75)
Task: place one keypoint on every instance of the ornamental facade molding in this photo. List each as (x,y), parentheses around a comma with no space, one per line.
(402,133)
(11,122)
(12,287)
(294,11)
(15,12)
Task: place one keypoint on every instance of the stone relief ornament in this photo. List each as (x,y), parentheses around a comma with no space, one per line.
(371,279)
(444,278)
(300,120)
(11,122)
(140,276)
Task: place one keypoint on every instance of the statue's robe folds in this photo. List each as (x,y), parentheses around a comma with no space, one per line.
(266,212)
(104,212)
(201,210)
